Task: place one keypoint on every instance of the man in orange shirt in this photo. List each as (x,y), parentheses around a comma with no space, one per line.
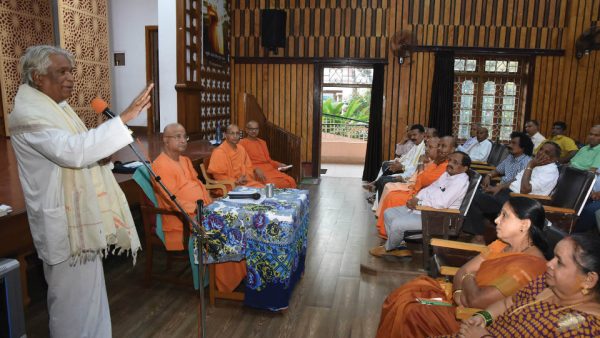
(437,152)
(265,169)
(230,161)
(178,175)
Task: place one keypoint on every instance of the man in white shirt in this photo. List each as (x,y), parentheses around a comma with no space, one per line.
(447,191)
(465,147)
(539,177)
(74,205)
(532,128)
(481,150)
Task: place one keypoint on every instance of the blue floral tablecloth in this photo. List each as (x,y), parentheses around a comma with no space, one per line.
(271,236)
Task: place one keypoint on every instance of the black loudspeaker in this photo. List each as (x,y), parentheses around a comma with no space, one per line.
(272,28)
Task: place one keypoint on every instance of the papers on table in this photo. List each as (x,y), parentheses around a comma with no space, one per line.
(5,209)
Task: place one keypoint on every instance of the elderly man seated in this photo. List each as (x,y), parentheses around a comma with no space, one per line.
(266,170)
(447,192)
(481,149)
(539,177)
(230,161)
(178,175)
(465,147)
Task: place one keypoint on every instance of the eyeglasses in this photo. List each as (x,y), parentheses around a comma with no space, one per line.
(251,129)
(236,134)
(179,137)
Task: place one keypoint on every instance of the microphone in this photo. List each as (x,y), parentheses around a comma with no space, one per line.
(101,107)
(235,196)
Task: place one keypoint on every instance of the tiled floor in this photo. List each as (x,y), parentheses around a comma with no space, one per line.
(342,170)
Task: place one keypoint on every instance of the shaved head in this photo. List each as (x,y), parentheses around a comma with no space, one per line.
(172,126)
(451,141)
(232,127)
(252,124)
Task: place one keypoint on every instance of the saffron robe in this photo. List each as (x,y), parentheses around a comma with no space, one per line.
(402,316)
(405,192)
(259,155)
(227,163)
(181,179)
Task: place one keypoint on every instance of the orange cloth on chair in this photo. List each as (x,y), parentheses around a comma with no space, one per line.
(227,163)
(399,197)
(182,180)
(402,316)
(259,154)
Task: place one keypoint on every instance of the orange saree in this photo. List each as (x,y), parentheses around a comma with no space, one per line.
(403,316)
(405,192)
(259,155)
(227,163)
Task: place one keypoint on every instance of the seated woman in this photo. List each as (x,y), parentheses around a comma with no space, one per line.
(563,302)
(508,264)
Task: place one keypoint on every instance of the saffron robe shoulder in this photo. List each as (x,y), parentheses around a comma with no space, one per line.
(227,163)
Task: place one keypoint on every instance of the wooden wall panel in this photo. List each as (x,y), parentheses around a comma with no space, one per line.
(563,88)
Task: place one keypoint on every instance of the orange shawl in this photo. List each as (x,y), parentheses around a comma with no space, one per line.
(259,155)
(227,163)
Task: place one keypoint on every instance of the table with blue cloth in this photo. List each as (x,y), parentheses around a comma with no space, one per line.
(270,235)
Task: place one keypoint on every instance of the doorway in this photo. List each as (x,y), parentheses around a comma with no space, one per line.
(152,75)
(345,107)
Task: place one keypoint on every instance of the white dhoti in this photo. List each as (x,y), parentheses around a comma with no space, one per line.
(77,302)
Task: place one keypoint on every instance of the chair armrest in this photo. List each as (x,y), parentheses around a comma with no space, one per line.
(558,210)
(480,163)
(465,312)
(535,197)
(448,211)
(448,270)
(213,186)
(444,243)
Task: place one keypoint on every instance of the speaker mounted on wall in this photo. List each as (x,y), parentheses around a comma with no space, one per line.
(273,29)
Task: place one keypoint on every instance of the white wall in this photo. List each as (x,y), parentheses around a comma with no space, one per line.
(128,19)
(167,56)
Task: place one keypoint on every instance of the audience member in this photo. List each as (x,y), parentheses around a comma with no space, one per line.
(465,147)
(231,162)
(397,194)
(563,302)
(446,192)
(532,128)
(567,145)
(481,150)
(588,157)
(266,170)
(508,264)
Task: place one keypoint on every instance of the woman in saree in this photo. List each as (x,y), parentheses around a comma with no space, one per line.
(563,302)
(508,264)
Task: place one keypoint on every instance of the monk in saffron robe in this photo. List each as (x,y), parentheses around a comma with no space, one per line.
(399,193)
(230,161)
(178,175)
(265,169)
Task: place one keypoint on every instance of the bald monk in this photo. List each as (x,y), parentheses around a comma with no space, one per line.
(178,175)
(431,172)
(265,169)
(230,161)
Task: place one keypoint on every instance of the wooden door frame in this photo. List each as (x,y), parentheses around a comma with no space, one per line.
(151,128)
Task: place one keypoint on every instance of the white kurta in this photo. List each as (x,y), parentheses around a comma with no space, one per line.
(543,180)
(480,151)
(77,302)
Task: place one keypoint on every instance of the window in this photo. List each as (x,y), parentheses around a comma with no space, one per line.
(489,90)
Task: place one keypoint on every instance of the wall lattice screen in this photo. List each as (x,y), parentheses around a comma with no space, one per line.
(22,24)
(83,28)
(201,75)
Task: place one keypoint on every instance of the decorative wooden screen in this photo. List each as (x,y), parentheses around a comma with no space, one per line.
(203,85)
(23,24)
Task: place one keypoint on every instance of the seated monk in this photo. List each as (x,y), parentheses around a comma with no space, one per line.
(508,264)
(397,194)
(178,175)
(265,169)
(231,162)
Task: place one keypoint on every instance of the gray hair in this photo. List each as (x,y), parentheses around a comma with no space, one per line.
(37,60)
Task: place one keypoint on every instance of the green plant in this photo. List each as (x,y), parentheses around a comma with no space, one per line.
(332,108)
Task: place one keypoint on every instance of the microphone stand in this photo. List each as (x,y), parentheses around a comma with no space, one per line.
(197,230)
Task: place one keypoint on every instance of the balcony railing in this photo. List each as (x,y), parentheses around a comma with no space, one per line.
(346,127)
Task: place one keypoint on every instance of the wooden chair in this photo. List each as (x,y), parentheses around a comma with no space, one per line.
(212,184)
(446,222)
(570,194)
